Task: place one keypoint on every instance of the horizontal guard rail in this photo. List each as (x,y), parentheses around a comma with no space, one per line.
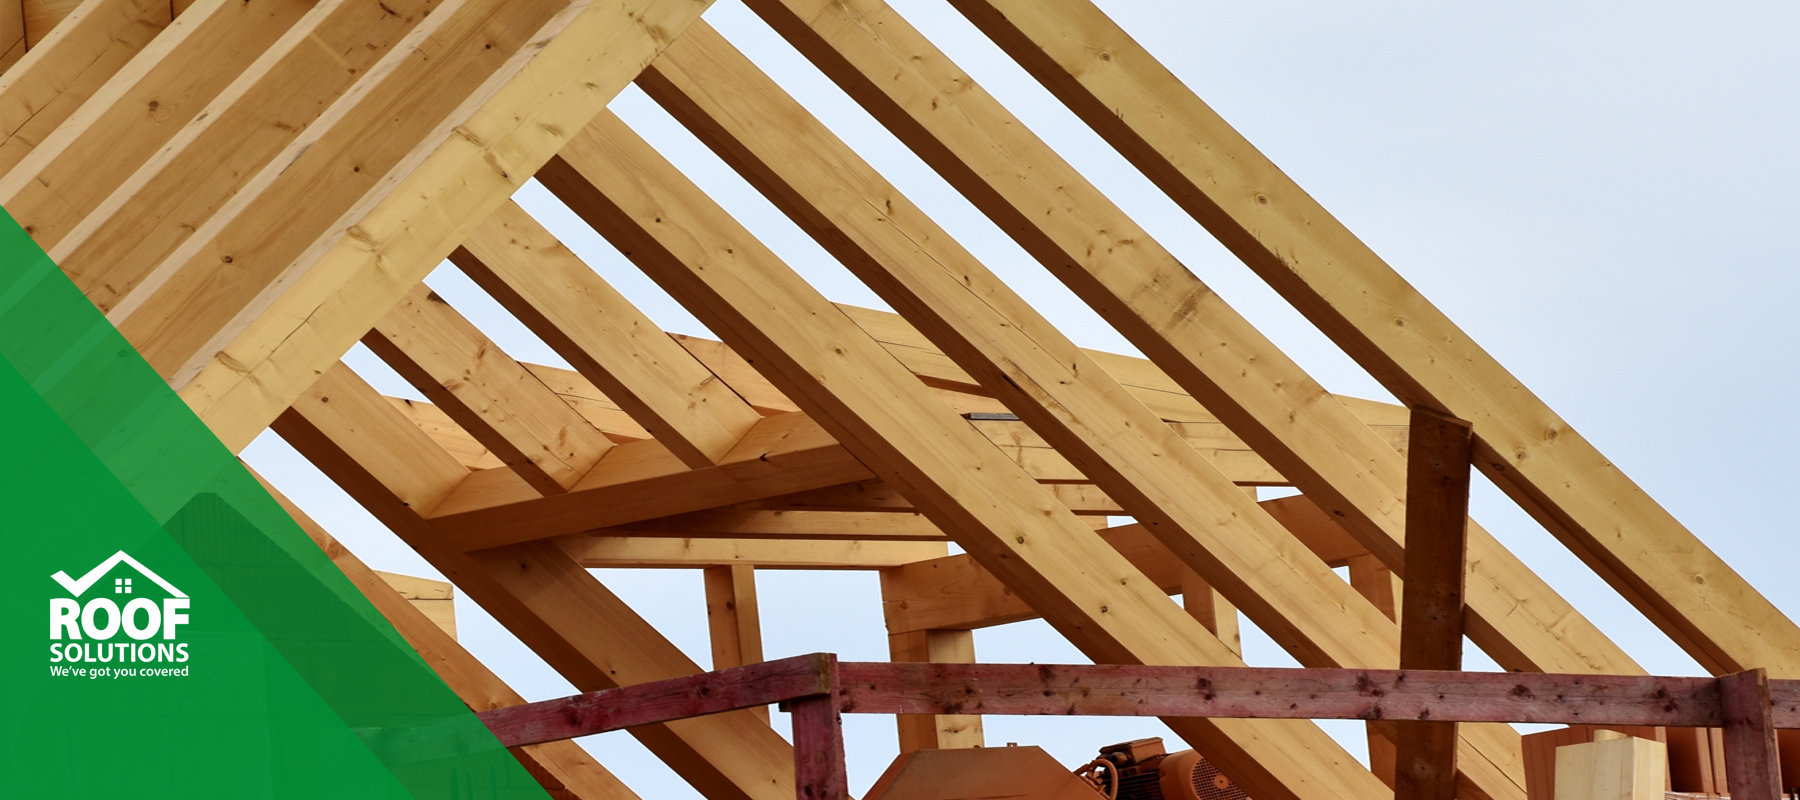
(817,688)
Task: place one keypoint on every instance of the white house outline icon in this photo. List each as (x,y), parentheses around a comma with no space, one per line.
(77,587)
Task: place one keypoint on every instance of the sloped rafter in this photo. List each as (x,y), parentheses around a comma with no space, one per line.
(86,49)
(566,616)
(566,770)
(150,212)
(875,406)
(830,439)
(1405,342)
(1203,344)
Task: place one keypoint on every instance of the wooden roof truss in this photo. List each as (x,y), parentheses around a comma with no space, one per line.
(247,188)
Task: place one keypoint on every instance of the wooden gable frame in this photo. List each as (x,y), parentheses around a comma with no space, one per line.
(303,166)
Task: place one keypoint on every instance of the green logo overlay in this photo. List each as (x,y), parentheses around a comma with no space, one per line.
(166,630)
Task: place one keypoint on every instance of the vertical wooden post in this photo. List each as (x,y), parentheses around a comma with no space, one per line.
(1373,580)
(819,772)
(732,619)
(1204,603)
(936,731)
(1752,760)
(1431,618)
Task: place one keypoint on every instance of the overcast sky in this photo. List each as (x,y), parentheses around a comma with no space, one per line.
(1600,194)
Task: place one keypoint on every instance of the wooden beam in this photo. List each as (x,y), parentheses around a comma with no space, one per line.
(553,605)
(881,687)
(12,36)
(1300,248)
(936,731)
(42,16)
(44,86)
(1204,345)
(882,413)
(732,620)
(1276,693)
(619,551)
(819,770)
(606,338)
(448,434)
(435,599)
(126,223)
(1016,354)
(1752,757)
(565,770)
(956,592)
(751,524)
(582,395)
(1086,500)
(643,480)
(490,395)
(1437,539)
(456,176)
(140,109)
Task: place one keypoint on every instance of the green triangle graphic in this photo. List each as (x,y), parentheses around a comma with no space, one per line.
(281,682)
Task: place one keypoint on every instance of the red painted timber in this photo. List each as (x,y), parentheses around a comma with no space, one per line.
(1431,622)
(1752,763)
(819,772)
(662,701)
(1257,693)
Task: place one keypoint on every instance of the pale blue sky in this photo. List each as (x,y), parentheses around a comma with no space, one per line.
(1600,194)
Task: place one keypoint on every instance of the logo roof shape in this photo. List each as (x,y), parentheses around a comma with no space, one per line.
(77,587)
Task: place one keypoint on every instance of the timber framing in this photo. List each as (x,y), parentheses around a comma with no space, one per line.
(249,188)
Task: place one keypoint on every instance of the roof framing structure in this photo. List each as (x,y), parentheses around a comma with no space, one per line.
(302,167)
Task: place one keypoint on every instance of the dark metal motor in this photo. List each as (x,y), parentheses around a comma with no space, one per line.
(1141,770)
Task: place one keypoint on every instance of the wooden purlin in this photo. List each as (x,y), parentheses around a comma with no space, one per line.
(880,411)
(1356,298)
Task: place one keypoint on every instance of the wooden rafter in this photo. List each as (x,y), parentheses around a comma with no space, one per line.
(247,190)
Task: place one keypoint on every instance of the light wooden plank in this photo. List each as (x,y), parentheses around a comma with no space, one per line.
(879,496)
(1202,343)
(453,179)
(395,115)
(131,221)
(732,619)
(598,552)
(1616,767)
(138,110)
(563,768)
(12,36)
(42,16)
(936,731)
(606,338)
(442,429)
(435,599)
(582,395)
(1364,305)
(746,524)
(64,70)
(879,410)
(553,605)
(493,397)
(643,480)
